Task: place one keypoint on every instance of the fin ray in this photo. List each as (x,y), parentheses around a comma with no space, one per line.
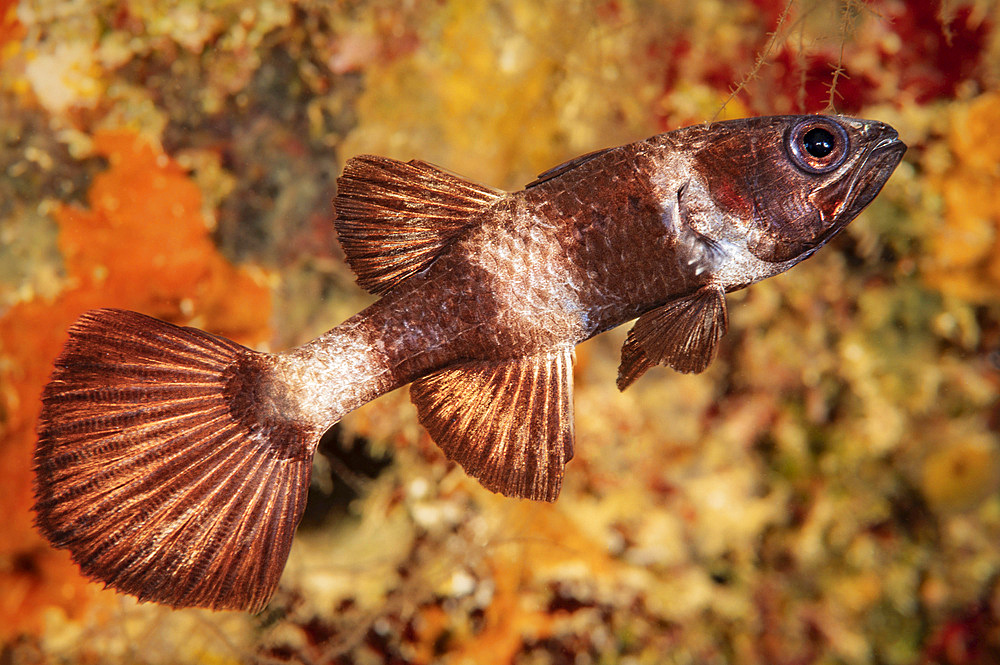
(394,218)
(159,468)
(566,167)
(683,334)
(634,363)
(508,424)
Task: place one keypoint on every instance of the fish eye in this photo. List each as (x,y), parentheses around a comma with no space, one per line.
(817,145)
(818,142)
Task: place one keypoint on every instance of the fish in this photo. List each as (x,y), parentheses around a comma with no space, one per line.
(174,464)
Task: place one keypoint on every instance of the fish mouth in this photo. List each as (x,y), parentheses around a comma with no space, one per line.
(890,142)
(872,170)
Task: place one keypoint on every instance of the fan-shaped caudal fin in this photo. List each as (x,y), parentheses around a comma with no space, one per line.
(163,466)
(509,424)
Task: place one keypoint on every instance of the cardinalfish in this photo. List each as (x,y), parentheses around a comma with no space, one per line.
(174,464)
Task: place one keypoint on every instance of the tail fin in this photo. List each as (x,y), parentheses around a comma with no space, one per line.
(163,466)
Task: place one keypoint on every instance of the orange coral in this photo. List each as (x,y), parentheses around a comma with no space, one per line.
(11,29)
(143,244)
(542,540)
(965,253)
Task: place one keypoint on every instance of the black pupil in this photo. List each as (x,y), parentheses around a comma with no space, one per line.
(818,142)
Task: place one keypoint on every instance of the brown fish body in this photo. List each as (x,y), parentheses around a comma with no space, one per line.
(585,248)
(201,449)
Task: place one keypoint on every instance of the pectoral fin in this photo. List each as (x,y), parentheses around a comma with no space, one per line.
(683,334)
(508,424)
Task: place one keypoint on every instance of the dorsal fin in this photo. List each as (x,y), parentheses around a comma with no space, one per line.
(394,218)
(683,334)
(566,167)
(509,424)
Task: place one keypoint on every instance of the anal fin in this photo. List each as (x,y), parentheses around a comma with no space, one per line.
(508,424)
(683,334)
(394,218)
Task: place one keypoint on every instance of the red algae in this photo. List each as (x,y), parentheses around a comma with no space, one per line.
(938,50)
(141,244)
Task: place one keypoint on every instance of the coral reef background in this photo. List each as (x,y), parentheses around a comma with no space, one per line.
(827,492)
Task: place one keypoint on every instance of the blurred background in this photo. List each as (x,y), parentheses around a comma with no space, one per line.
(827,492)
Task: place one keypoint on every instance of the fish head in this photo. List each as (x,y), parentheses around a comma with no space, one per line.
(793,182)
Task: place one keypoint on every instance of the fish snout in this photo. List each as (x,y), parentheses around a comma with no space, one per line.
(885,139)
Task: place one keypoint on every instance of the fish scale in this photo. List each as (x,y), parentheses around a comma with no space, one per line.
(205,447)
